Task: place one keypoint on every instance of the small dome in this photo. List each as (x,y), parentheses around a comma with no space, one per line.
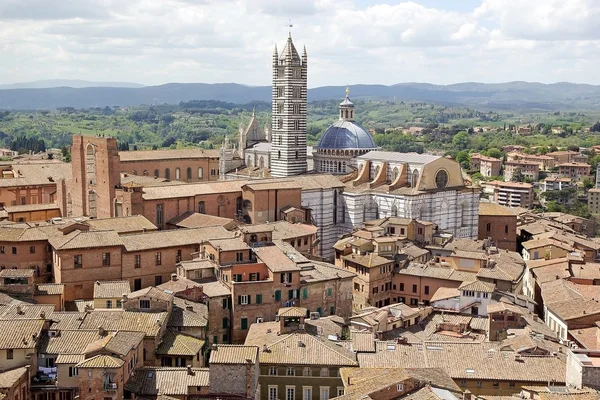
(346,135)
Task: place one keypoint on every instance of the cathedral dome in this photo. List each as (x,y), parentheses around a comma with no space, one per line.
(345,134)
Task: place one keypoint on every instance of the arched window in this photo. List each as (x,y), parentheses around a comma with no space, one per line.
(134,172)
(177,174)
(200,173)
(296,140)
(415,178)
(335,207)
(167,173)
(188,173)
(156,173)
(340,166)
(296,154)
(145,172)
(278,153)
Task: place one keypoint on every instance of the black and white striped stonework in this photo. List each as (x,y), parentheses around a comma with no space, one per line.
(288,137)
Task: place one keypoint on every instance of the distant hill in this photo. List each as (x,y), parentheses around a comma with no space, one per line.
(524,96)
(72,83)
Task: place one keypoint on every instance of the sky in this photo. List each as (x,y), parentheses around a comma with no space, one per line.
(348,41)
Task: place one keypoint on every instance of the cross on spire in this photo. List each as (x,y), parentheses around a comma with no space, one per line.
(290,26)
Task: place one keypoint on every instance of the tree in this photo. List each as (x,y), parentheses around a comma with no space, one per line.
(461,141)
(517,176)
(496,153)
(595,127)
(463,158)
(573,148)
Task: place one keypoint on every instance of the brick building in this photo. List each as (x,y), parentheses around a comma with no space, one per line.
(498,224)
(487,166)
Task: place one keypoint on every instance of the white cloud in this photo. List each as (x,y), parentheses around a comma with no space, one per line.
(159,41)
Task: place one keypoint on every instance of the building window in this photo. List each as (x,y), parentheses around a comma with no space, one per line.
(414,289)
(144,304)
(156,173)
(401,287)
(463,382)
(178,257)
(73,371)
(244,323)
(14,250)
(488,227)
(201,207)
(278,295)
(306,393)
(329,292)
(159,215)
(108,303)
(273,393)
(106,259)
(239,256)
(158,258)
(511,384)
(2,251)
(340,391)
(505,228)
(78,261)
(9,354)
(138,261)
(244,299)
(188,173)
(32,249)
(213,172)
(306,371)
(200,173)
(259,299)
(426,289)
(272,370)
(496,384)
(157,280)
(168,173)
(137,284)
(290,393)
(324,372)
(479,384)
(324,392)
(290,371)
(400,387)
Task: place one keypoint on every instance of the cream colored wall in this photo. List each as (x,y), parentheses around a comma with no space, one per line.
(427,177)
(62,376)
(17,360)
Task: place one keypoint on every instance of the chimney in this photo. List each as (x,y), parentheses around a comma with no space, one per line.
(43,315)
(124,299)
(379,335)
(101,331)
(144,230)
(467,395)
(189,370)
(535,317)
(300,343)
(189,308)
(20,310)
(215,347)
(173,277)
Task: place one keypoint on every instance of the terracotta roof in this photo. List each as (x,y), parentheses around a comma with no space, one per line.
(368,260)
(194,265)
(48,289)
(317,271)
(101,361)
(38,174)
(229,244)
(69,341)
(186,314)
(171,154)
(501,306)
(437,272)
(122,342)
(31,207)
(478,286)
(215,288)
(20,333)
(69,358)
(362,342)
(134,223)
(173,238)
(115,320)
(17,273)
(153,292)
(444,293)
(292,312)
(234,354)
(86,239)
(304,349)
(111,289)
(179,344)
(468,361)
(275,259)
(151,381)
(25,311)
(282,230)
(588,338)
(495,209)
(197,220)
(9,378)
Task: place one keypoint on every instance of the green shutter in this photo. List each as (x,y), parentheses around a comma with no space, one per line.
(258,276)
(290,294)
(249,299)
(259,299)
(305,293)
(239,299)
(224,304)
(278,295)
(224,322)
(319,311)
(215,340)
(244,323)
(329,291)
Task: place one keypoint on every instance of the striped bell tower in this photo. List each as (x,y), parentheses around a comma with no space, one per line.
(288,137)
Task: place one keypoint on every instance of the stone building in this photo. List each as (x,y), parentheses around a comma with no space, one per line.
(487,166)
(288,143)
(499,224)
(418,186)
(342,142)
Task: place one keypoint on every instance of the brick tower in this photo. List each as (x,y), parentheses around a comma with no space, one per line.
(288,138)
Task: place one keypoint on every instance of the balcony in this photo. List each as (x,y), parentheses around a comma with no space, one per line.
(110,386)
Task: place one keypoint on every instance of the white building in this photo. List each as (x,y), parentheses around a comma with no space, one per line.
(470,298)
